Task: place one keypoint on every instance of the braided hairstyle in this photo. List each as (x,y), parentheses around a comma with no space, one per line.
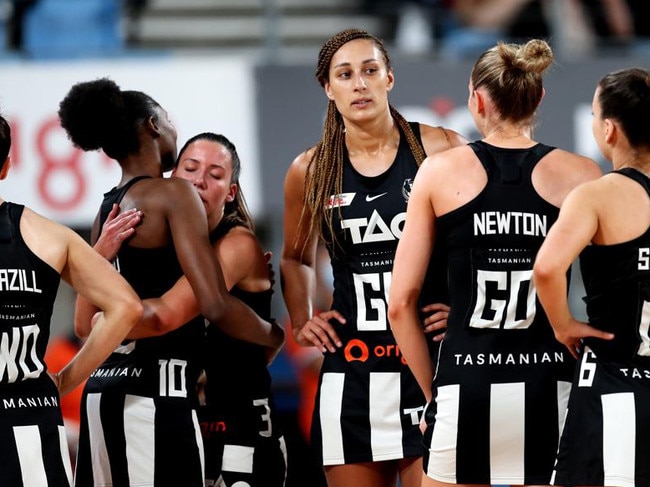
(325,169)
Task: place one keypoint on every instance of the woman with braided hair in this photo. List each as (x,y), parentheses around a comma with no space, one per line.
(351,190)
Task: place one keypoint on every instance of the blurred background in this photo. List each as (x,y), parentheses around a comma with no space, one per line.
(245,68)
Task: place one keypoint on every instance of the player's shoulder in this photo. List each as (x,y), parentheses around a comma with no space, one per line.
(574,166)
(302,160)
(297,171)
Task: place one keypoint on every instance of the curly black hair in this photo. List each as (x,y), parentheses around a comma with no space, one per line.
(99,115)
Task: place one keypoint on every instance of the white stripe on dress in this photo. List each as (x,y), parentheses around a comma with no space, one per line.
(563,393)
(385,423)
(98,453)
(444,439)
(30,455)
(331,399)
(619,438)
(65,452)
(507,431)
(199,438)
(283,448)
(139,433)
(237,458)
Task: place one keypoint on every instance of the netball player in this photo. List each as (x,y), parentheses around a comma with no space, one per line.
(607,223)
(139,426)
(241,438)
(35,253)
(351,190)
(502,380)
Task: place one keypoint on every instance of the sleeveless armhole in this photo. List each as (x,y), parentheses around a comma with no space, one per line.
(116,195)
(6,229)
(637,176)
(510,173)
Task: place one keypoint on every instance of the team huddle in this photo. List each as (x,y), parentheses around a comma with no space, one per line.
(450,352)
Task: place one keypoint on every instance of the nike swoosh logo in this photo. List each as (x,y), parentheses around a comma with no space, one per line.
(372,198)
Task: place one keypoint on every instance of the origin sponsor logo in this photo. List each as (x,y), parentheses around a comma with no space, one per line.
(358,351)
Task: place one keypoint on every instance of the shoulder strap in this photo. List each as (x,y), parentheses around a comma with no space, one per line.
(10,214)
(224,226)
(131,182)
(117,197)
(6,233)
(637,175)
(510,173)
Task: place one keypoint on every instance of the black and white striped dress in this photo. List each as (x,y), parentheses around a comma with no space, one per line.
(605,440)
(139,425)
(34,448)
(368,404)
(502,380)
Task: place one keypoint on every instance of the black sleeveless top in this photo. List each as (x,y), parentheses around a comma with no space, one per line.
(491,243)
(236,370)
(150,271)
(28,288)
(617,283)
(166,366)
(368,218)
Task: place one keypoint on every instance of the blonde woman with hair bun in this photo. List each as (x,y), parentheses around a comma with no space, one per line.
(497,401)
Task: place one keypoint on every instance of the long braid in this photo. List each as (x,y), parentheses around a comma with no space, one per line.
(325,171)
(414,144)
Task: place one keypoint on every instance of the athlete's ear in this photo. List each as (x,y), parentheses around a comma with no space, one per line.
(480,101)
(232,192)
(328,92)
(611,131)
(5,168)
(391,79)
(152,126)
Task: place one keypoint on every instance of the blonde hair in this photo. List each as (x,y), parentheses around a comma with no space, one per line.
(325,169)
(514,72)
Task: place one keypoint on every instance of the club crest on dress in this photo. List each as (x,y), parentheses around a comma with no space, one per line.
(406,189)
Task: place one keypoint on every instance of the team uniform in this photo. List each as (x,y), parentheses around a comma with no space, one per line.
(502,380)
(138,420)
(605,438)
(368,405)
(34,447)
(243,445)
